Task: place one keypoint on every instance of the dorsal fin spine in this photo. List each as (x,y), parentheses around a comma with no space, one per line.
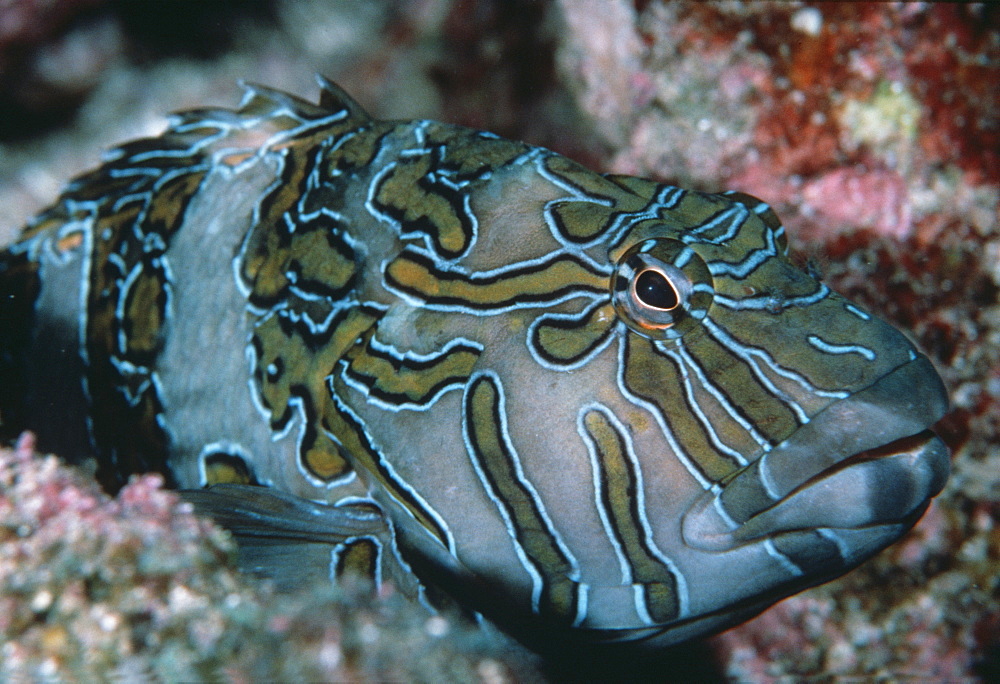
(333,98)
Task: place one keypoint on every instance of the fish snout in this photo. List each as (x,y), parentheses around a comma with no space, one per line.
(852,480)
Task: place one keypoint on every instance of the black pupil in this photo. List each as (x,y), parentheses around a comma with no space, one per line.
(654,290)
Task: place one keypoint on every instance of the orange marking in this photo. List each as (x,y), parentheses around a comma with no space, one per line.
(70,241)
(236,158)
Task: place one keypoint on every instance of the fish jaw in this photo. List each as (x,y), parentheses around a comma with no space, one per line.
(846,485)
(878,490)
(873,447)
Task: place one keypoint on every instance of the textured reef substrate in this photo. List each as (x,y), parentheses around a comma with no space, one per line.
(137,588)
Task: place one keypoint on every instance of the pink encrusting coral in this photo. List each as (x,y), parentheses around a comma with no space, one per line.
(841,115)
(136,586)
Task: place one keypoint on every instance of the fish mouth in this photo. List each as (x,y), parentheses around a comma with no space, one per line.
(867,463)
(888,486)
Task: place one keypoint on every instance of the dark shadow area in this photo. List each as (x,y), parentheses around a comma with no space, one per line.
(47,72)
(690,663)
(202,29)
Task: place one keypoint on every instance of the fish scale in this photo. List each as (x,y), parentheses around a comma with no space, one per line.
(595,408)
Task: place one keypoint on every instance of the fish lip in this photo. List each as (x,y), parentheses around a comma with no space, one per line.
(902,404)
(887,485)
(920,442)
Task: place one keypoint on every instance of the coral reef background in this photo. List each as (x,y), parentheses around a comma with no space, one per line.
(872,128)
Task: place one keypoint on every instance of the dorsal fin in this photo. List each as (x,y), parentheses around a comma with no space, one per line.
(332,97)
(262,101)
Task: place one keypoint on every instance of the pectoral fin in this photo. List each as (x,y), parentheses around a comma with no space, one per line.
(293,540)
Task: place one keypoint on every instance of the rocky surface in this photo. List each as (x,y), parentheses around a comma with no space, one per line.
(136,588)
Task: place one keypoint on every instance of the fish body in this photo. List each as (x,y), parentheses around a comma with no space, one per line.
(595,408)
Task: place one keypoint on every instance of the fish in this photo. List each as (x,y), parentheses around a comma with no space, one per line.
(595,409)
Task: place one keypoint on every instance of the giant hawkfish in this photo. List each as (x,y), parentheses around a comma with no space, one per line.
(593,408)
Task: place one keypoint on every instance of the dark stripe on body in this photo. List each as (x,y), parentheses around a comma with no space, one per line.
(522,509)
(618,485)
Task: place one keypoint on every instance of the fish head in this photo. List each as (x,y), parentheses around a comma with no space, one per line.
(641,422)
(715,431)
(801,420)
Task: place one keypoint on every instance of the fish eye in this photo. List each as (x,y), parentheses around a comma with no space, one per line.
(661,288)
(653,288)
